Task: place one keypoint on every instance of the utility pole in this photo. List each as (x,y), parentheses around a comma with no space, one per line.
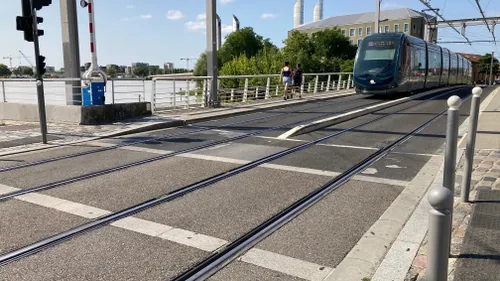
(377,16)
(491,67)
(213,99)
(71,51)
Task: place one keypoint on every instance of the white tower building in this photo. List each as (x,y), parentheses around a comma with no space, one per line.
(318,11)
(236,24)
(298,14)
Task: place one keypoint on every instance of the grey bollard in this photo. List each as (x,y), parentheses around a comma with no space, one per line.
(471,143)
(439,235)
(454,103)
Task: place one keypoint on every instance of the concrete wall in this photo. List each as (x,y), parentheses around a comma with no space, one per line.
(75,114)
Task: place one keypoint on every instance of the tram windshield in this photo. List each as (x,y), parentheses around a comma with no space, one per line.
(376,56)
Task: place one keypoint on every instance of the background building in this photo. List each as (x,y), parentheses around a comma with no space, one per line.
(168,66)
(357,26)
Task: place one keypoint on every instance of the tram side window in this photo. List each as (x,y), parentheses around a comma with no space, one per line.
(421,60)
(446,62)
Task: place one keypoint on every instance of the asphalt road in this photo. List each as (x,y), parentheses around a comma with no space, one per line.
(173,236)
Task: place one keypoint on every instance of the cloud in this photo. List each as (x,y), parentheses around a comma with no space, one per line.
(201,26)
(201,17)
(227,28)
(130,7)
(268,16)
(146,17)
(390,6)
(224,2)
(174,15)
(124,19)
(195,26)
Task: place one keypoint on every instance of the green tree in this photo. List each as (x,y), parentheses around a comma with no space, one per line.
(111,72)
(299,49)
(200,69)
(244,41)
(28,71)
(4,71)
(485,64)
(141,71)
(347,66)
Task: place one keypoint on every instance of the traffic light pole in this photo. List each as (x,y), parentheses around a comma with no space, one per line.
(39,79)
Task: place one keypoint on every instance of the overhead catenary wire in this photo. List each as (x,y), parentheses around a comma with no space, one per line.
(442,18)
(486,22)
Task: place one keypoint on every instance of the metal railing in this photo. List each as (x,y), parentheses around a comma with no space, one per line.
(173,92)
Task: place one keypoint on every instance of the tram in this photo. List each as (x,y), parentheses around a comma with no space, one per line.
(389,63)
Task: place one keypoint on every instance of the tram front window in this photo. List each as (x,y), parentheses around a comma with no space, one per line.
(376,58)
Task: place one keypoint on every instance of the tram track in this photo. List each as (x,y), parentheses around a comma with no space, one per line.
(166,137)
(225,255)
(38,246)
(90,175)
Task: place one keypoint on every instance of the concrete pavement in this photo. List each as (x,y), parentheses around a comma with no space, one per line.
(22,136)
(165,240)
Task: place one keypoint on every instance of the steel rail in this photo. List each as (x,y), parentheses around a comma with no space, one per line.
(54,159)
(225,255)
(61,237)
(51,185)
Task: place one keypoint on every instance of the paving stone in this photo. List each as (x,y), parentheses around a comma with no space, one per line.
(484,153)
(490,179)
(484,188)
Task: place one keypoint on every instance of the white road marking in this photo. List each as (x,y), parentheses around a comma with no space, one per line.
(192,239)
(350,146)
(278,167)
(370,171)
(262,258)
(288,265)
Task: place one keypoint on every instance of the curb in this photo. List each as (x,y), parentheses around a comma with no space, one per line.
(183,122)
(319,124)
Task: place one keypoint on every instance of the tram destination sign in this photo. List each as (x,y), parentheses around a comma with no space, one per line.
(385,43)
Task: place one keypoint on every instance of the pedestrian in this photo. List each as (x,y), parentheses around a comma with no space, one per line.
(285,77)
(298,77)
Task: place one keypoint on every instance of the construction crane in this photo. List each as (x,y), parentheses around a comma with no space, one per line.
(10,59)
(26,58)
(188,60)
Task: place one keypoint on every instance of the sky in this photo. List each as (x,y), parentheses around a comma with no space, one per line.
(158,31)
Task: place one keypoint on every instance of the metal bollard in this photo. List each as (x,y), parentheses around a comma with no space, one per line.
(471,143)
(454,103)
(438,246)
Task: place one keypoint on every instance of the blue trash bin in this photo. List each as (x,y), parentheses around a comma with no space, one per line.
(86,99)
(97,92)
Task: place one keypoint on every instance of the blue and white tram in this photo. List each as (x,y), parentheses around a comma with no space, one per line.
(398,63)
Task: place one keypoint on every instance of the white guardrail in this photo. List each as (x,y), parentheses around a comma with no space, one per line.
(173,92)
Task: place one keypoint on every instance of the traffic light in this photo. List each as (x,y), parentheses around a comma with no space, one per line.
(39,4)
(25,22)
(41,65)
